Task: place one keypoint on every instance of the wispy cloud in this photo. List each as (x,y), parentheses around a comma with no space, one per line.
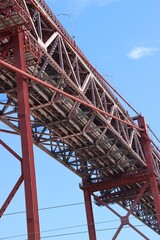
(139,52)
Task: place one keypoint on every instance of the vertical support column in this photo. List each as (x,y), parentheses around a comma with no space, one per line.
(28,168)
(150,165)
(89,214)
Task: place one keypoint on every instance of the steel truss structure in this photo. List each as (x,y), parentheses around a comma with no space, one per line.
(58,101)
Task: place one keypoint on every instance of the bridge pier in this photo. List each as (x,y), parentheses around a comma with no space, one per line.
(90,188)
(28,168)
(146,145)
(89,214)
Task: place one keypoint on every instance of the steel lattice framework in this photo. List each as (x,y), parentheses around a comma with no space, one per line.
(62,104)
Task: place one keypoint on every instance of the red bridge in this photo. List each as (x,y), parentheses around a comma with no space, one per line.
(56,100)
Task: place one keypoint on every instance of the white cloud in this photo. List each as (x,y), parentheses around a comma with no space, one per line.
(139,52)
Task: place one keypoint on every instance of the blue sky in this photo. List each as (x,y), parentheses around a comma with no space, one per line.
(121,38)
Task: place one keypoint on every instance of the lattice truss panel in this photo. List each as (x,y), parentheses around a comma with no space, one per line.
(92,145)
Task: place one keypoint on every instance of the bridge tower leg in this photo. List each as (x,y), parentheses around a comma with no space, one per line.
(150,165)
(89,214)
(28,169)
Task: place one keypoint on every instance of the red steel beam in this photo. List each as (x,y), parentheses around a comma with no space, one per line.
(11,195)
(146,145)
(138,231)
(10,150)
(143,189)
(89,214)
(98,199)
(27,75)
(115,182)
(125,219)
(28,167)
(8,131)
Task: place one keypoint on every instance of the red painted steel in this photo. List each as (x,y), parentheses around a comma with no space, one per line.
(114,182)
(24,45)
(139,232)
(7,131)
(146,145)
(125,219)
(10,150)
(72,43)
(89,214)
(11,195)
(28,168)
(66,94)
(18,183)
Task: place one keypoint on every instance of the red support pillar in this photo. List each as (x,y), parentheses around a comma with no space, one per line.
(146,145)
(28,168)
(89,214)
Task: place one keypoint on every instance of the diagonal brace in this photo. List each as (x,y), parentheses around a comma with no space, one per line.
(125,219)
(10,150)
(11,195)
